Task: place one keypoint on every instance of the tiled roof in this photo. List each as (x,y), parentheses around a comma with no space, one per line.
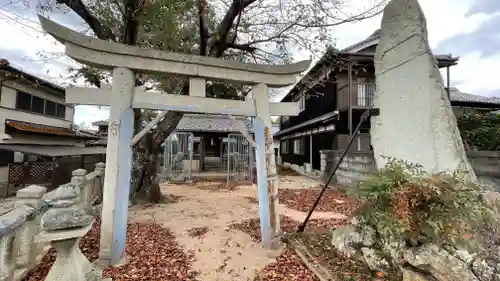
(53,150)
(457,96)
(374,36)
(350,50)
(100,123)
(210,123)
(203,123)
(5,64)
(102,141)
(43,129)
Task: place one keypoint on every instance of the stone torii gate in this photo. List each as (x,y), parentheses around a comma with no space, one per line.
(123,96)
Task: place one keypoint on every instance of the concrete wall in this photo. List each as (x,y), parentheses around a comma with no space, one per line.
(356,165)
(353,168)
(486,164)
(4,177)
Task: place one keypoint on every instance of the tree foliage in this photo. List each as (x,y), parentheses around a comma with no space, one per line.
(481,131)
(404,203)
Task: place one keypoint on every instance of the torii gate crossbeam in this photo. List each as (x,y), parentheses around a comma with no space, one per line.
(125,61)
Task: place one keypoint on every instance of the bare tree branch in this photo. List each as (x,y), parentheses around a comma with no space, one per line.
(203,28)
(132,7)
(219,45)
(101,31)
(242,47)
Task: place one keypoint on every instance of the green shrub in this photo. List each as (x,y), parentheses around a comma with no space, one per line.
(405,203)
(481,131)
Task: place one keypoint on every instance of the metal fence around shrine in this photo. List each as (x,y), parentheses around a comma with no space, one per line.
(240,158)
(178,156)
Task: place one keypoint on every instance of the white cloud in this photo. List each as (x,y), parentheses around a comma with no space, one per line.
(445,18)
(89,114)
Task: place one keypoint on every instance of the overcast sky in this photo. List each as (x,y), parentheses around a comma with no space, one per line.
(465,28)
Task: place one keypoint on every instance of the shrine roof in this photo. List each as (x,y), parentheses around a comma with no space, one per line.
(211,123)
(203,123)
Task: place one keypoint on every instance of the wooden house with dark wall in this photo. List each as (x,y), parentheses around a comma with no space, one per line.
(333,95)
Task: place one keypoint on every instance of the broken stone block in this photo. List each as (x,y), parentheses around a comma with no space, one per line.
(10,221)
(483,269)
(410,275)
(32,196)
(344,240)
(67,218)
(31,192)
(439,263)
(415,112)
(63,192)
(374,261)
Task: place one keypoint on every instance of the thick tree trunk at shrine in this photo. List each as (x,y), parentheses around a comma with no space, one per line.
(145,173)
(145,186)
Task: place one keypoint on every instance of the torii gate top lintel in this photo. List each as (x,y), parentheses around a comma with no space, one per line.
(123,97)
(108,55)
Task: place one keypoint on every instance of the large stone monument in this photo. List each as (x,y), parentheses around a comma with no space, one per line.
(416,121)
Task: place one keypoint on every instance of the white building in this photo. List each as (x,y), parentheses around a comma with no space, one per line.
(35,123)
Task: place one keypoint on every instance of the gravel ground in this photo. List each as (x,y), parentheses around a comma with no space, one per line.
(210,233)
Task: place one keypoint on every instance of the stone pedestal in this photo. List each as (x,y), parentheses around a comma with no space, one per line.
(26,248)
(63,228)
(70,263)
(7,262)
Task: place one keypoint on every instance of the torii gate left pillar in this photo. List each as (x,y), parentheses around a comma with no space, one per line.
(123,96)
(118,175)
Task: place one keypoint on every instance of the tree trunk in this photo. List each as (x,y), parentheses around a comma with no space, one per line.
(146,179)
(145,185)
(148,189)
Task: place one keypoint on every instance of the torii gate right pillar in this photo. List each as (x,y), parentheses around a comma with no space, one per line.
(127,60)
(266,168)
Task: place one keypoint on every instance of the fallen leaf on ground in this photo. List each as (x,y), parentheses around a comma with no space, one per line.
(252,200)
(152,254)
(288,225)
(198,232)
(332,200)
(288,267)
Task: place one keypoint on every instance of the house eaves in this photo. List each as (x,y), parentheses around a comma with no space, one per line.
(352,50)
(323,118)
(461,97)
(7,67)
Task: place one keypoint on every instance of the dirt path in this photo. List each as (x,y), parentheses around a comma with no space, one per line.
(223,253)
